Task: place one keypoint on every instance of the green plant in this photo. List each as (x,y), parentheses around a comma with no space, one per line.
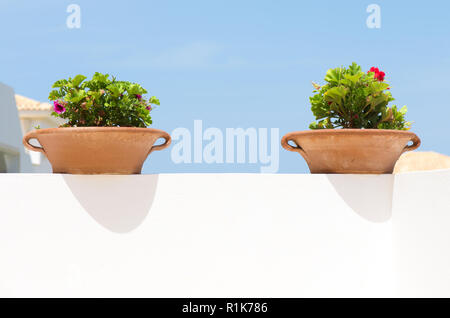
(101,101)
(352,98)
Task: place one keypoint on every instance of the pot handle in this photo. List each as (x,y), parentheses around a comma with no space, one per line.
(415,145)
(26,143)
(285,143)
(164,145)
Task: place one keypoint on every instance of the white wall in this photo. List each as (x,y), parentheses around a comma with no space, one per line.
(10,133)
(421,239)
(225,235)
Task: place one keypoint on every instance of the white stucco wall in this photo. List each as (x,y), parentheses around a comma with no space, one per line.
(225,235)
(10,134)
(421,218)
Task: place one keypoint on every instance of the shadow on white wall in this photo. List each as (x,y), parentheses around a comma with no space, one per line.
(118,203)
(369,196)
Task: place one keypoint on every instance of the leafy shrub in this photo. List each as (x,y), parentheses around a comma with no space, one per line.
(101,101)
(352,98)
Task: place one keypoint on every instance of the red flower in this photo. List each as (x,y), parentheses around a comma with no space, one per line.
(379,75)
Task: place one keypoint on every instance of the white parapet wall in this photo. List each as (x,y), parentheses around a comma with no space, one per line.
(225,235)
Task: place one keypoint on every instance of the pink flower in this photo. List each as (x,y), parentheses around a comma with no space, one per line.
(58,107)
(138,96)
(149,107)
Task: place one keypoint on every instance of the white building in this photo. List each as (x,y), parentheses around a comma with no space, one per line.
(13,158)
(32,114)
(19,115)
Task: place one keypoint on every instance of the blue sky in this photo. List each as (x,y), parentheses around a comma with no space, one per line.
(234,63)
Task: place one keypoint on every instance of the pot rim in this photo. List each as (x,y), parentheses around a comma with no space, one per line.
(297,136)
(68,130)
(353,131)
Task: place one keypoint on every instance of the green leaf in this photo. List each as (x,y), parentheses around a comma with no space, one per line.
(76,96)
(387,114)
(377,86)
(375,101)
(115,90)
(334,75)
(354,69)
(100,78)
(60,83)
(403,110)
(154,100)
(76,81)
(54,95)
(353,78)
(336,94)
(135,89)
(313,125)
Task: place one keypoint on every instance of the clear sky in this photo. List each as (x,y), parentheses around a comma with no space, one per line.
(234,63)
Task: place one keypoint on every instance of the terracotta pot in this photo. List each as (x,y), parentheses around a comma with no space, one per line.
(351,150)
(97,150)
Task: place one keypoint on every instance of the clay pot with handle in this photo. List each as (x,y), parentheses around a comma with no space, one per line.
(97,150)
(358,151)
